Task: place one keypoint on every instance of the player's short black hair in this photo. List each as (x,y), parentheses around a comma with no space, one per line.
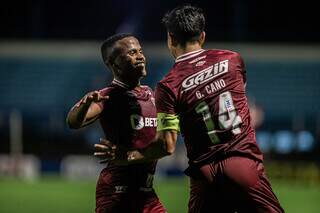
(184,23)
(107,51)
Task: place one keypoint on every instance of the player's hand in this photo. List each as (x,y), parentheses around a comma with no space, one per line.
(107,151)
(90,97)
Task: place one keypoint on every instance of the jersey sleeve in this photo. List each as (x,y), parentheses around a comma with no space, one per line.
(242,68)
(167,117)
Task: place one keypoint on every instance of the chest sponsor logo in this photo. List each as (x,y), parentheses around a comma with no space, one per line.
(138,122)
(205,75)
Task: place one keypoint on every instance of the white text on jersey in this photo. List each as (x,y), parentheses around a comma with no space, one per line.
(205,75)
(211,88)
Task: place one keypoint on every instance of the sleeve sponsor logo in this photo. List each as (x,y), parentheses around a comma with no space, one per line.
(205,75)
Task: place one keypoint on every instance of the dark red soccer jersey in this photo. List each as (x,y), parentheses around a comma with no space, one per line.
(206,89)
(129,119)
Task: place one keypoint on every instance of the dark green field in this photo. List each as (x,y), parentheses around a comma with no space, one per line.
(53,195)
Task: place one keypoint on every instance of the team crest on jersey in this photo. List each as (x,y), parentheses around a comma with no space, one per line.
(197,59)
(205,75)
(200,63)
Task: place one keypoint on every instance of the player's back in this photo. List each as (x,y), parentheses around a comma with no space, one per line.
(208,91)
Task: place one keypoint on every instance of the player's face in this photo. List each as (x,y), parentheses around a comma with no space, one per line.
(131,61)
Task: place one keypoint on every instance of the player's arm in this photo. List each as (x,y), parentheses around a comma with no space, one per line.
(164,145)
(86,111)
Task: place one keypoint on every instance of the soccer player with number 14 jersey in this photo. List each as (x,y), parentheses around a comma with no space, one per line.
(205,93)
(203,96)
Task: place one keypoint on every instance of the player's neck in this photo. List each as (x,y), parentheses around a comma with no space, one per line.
(126,84)
(179,51)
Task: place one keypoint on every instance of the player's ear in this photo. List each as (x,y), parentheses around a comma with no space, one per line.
(171,40)
(202,38)
(116,69)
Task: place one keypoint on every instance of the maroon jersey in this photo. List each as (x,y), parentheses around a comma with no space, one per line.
(129,119)
(206,89)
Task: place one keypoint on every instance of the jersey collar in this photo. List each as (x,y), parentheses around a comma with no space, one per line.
(123,85)
(189,55)
(120,84)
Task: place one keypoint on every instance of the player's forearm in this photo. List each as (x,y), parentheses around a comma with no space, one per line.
(164,145)
(77,116)
(156,150)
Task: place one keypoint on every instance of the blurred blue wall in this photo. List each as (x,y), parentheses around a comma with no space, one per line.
(43,88)
(284,88)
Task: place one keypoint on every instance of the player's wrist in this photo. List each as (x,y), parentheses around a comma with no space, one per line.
(135,155)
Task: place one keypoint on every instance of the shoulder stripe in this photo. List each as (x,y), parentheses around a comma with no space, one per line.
(189,55)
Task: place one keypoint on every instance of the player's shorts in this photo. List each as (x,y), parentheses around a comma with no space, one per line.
(235,184)
(112,196)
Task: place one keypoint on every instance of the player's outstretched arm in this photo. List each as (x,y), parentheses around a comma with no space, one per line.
(86,110)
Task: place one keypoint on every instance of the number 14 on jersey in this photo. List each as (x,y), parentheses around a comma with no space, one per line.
(228,117)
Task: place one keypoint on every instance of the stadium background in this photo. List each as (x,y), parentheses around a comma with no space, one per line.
(49,58)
